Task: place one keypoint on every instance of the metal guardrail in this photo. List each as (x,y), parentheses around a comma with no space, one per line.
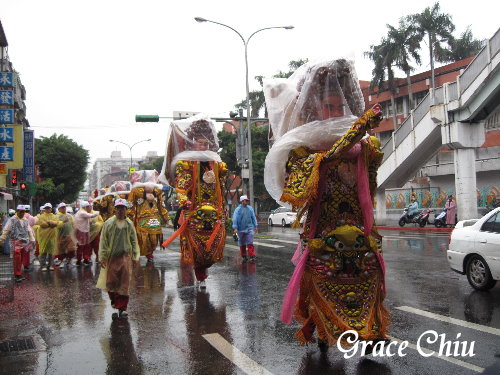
(422,109)
(387,149)
(472,71)
(495,44)
(452,91)
(439,95)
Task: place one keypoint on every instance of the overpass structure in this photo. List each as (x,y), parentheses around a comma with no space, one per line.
(452,115)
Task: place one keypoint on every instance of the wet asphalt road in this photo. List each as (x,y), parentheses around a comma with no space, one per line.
(169,316)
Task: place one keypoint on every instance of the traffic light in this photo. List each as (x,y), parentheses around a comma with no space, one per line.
(13,180)
(24,188)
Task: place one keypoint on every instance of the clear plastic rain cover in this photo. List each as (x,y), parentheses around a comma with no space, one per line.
(313,108)
(194,138)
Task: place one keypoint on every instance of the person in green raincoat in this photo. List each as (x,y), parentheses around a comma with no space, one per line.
(47,236)
(118,251)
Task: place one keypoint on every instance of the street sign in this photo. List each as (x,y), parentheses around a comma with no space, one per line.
(29,156)
(184,114)
(6,97)
(6,134)
(6,116)
(7,79)
(6,153)
(3,169)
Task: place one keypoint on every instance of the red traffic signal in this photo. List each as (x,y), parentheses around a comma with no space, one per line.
(23,186)
(13,180)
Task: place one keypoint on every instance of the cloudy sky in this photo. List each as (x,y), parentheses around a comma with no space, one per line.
(90,66)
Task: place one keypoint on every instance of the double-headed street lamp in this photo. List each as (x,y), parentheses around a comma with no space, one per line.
(249,132)
(130,148)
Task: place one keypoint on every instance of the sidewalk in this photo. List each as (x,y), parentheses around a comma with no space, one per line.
(6,279)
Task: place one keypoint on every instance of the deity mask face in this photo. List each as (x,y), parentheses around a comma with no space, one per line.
(205,217)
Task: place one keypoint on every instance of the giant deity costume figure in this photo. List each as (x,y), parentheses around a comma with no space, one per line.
(148,212)
(193,166)
(324,165)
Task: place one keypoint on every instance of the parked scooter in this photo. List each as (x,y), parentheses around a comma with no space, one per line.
(414,219)
(440,220)
(423,218)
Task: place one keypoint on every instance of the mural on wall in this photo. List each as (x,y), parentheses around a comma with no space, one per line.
(435,197)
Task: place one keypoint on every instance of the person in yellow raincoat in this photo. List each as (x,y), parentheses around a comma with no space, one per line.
(66,241)
(47,236)
(147,212)
(96,224)
(118,250)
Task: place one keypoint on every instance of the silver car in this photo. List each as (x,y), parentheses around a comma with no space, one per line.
(281,216)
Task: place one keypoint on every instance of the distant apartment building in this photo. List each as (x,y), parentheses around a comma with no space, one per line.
(116,168)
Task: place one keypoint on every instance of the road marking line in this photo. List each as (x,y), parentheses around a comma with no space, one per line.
(283,241)
(266,244)
(453,360)
(447,319)
(245,363)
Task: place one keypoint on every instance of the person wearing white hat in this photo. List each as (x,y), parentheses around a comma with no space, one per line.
(36,227)
(118,251)
(6,245)
(82,232)
(96,224)
(47,236)
(66,241)
(21,236)
(244,222)
(32,221)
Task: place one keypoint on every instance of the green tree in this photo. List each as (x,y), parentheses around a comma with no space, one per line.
(227,141)
(438,27)
(64,162)
(384,58)
(465,46)
(404,43)
(156,164)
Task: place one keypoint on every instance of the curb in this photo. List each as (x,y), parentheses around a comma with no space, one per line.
(439,230)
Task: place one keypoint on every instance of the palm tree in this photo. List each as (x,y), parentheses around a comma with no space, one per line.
(438,27)
(404,44)
(384,59)
(465,46)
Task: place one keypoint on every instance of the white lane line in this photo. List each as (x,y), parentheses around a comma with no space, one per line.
(453,360)
(246,364)
(447,319)
(282,241)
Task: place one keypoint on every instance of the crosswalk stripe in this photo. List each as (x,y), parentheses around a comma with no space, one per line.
(241,360)
(453,360)
(447,319)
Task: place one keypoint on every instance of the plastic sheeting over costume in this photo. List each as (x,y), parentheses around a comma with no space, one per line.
(47,232)
(322,165)
(193,167)
(66,240)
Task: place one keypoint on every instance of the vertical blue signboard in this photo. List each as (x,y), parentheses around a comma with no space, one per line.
(6,116)
(6,97)
(7,79)
(7,135)
(29,156)
(6,153)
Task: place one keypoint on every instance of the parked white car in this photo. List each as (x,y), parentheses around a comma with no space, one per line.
(474,250)
(281,216)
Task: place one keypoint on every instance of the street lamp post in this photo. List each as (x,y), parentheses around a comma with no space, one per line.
(130,149)
(249,130)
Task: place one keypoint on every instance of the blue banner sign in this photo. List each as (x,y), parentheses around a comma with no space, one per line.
(7,135)
(6,116)
(29,156)
(6,97)
(6,153)
(7,79)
